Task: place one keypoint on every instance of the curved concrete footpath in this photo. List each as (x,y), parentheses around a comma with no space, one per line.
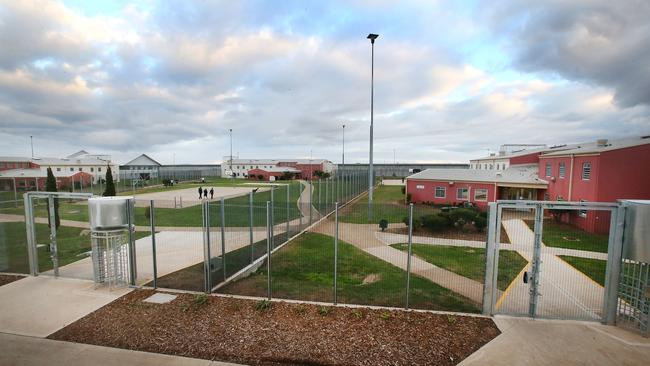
(18,350)
(555,342)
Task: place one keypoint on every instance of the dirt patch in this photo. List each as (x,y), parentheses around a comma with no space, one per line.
(371,278)
(242,331)
(5,278)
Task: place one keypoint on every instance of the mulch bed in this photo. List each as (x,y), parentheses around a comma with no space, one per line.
(5,278)
(238,330)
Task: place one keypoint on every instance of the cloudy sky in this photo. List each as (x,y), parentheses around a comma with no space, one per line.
(452,79)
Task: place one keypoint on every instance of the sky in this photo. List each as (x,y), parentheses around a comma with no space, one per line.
(453,80)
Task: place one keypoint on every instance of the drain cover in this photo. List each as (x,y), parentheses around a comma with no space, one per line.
(160,298)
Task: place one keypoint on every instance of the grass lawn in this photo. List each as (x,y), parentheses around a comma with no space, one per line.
(388,203)
(562,235)
(71,244)
(593,268)
(236,210)
(192,278)
(303,270)
(469,262)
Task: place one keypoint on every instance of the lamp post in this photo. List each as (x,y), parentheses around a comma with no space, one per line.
(232,174)
(343,158)
(31,142)
(372,38)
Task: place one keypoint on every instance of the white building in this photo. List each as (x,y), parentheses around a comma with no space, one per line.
(142,167)
(81,161)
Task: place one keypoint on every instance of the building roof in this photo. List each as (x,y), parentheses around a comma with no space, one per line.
(143,159)
(34,173)
(279,169)
(78,153)
(15,159)
(70,161)
(599,146)
(517,174)
(274,161)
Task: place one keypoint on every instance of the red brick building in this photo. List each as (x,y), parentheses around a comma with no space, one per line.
(34,180)
(599,171)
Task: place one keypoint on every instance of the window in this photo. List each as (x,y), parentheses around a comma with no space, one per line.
(441,192)
(419,186)
(71,169)
(484,166)
(498,166)
(58,169)
(547,196)
(559,198)
(561,170)
(80,169)
(586,171)
(548,169)
(99,169)
(92,169)
(480,194)
(582,213)
(504,166)
(462,193)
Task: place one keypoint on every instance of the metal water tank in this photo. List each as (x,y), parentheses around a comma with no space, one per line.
(108,213)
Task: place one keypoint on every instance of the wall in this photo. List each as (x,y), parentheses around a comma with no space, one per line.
(525,159)
(427,194)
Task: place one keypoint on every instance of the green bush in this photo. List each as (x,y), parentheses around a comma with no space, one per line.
(408,198)
(434,222)
(416,222)
(464,214)
(480,223)
(383,224)
(403,190)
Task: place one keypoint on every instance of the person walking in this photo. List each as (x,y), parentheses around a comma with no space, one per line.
(200,192)
(211,193)
(205,193)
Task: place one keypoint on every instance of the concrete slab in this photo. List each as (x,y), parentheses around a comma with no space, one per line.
(26,351)
(552,342)
(39,306)
(160,298)
(189,196)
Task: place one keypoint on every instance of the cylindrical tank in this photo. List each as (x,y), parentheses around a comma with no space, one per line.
(108,213)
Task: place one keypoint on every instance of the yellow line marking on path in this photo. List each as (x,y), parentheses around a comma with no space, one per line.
(511,285)
(577,270)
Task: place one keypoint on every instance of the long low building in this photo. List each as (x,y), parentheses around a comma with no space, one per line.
(34,180)
(300,168)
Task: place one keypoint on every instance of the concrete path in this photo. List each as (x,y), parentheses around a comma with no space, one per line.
(565,292)
(391,238)
(39,306)
(363,237)
(16,350)
(181,198)
(553,342)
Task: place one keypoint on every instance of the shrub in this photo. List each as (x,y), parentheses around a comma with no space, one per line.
(408,198)
(263,305)
(416,222)
(147,213)
(260,177)
(466,214)
(480,223)
(200,299)
(324,310)
(403,190)
(434,222)
(383,224)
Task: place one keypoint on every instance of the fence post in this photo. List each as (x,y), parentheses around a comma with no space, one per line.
(320,188)
(268,249)
(250,225)
(272,218)
(223,236)
(490,259)
(181,200)
(336,248)
(410,252)
(326,194)
(130,210)
(288,209)
(54,256)
(206,247)
(152,224)
(613,269)
(309,205)
(537,248)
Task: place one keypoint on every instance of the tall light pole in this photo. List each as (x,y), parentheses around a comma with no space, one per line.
(343,160)
(232,174)
(372,38)
(31,142)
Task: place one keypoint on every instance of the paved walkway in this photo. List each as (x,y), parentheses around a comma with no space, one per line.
(565,291)
(554,342)
(363,237)
(16,350)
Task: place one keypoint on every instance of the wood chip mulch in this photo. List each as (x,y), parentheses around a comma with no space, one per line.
(242,331)
(5,278)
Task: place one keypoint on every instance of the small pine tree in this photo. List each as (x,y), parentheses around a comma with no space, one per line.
(50,186)
(110,186)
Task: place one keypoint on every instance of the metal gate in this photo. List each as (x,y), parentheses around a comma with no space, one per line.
(54,249)
(571,255)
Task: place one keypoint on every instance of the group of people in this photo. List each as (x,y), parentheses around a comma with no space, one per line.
(203,193)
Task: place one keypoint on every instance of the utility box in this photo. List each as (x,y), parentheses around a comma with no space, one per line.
(108,213)
(636,238)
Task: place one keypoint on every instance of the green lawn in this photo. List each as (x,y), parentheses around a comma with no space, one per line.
(469,262)
(388,203)
(303,270)
(593,268)
(71,244)
(326,193)
(236,210)
(562,235)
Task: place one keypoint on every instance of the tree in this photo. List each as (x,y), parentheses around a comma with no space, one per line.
(50,186)
(110,186)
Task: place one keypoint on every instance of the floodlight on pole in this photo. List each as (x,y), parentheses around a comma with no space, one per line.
(232,174)
(372,38)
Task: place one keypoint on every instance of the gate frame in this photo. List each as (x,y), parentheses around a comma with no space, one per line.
(30,227)
(614,250)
